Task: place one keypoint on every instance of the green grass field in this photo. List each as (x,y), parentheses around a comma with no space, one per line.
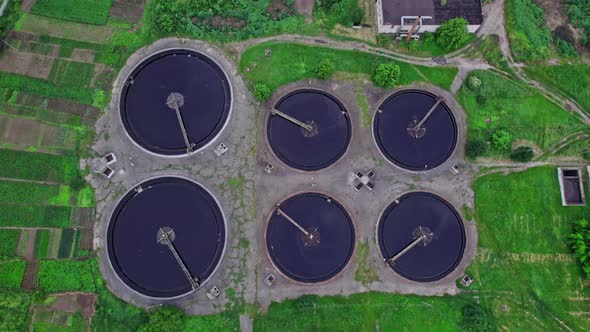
(364,312)
(84,11)
(47,89)
(37,166)
(571,80)
(12,272)
(66,276)
(71,73)
(522,111)
(523,260)
(34,216)
(293,62)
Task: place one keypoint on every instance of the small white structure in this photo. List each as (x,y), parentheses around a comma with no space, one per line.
(571,186)
(270,278)
(213,293)
(220,149)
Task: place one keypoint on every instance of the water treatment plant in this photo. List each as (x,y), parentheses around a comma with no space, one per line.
(294,165)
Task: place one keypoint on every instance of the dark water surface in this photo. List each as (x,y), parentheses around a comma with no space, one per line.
(416,154)
(149,267)
(286,243)
(441,255)
(207,99)
(318,151)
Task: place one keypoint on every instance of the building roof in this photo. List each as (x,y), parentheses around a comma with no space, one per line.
(393,10)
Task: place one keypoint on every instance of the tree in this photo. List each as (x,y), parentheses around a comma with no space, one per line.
(475,319)
(164,319)
(387,75)
(452,34)
(473,82)
(481,99)
(501,140)
(476,148)
(522,154)
(579,242)
(261,91)
(324,69)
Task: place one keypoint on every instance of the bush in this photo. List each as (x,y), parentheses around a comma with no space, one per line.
(476,148)
(324,69)
(529,36)
(579,15)
(481,100)
(475,319)
(11,15)
(522,154)
(565,49)
(579,242)
(164,319)
(473,82)
(501,140)
(452,34)
(387,75)
(261,91)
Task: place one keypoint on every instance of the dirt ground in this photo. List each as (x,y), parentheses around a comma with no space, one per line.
(24,133)
(304,7)
(34,65)
(83,55)
(78,302)
(26,243)
(557,21)
(127,10)
(30,277)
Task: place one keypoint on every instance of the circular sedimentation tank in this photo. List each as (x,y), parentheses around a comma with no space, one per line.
(428,229)
(164,82)
(194,225)
(321,253)
(407,141)
(325,139)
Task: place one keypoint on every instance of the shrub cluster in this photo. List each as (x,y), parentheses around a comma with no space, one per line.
(261,91)
(476,148)
(452,34)
(387,75)
(522,154)
(501,140)
(579,242)
(529,38)
(324,69)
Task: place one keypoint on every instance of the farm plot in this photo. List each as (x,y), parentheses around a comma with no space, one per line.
(40,25)
(12,272)
(71,73)
(38,166)
(34,216)
(66,276)
(8,242)
(29,64)
(84,11)
(27,134)
(57,243)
